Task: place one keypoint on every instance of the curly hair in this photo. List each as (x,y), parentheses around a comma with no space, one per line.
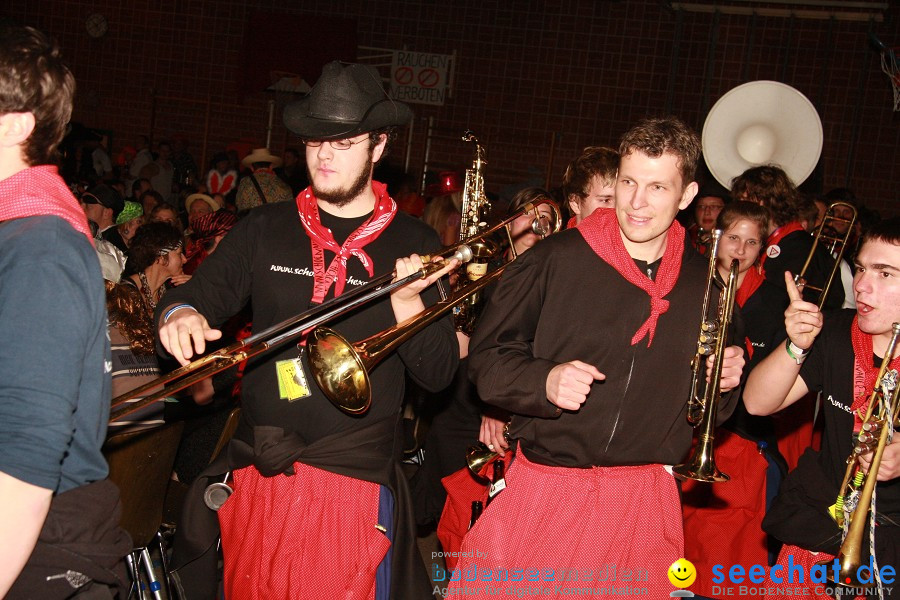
(656,136)
(390,134)
(151,241)
(34,79)
(771,187)
(595,161)
(126,312)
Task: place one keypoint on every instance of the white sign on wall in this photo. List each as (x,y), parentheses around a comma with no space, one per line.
(420,77)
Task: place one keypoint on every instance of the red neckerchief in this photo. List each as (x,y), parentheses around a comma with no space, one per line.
(777,236)
(321,238)
(601,231)
(752,280)
(571,223)
(41,191)
(864,372)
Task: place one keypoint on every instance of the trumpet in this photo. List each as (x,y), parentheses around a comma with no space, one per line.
(278,334)
(702,409)
(341,368)
(856,495)
(836,247)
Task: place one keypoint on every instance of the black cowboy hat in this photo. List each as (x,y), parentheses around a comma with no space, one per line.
(348,99)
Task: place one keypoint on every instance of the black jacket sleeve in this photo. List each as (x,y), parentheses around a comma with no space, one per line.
(502,362)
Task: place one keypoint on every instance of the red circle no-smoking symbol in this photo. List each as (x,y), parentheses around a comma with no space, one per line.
(404,75)
(428,78)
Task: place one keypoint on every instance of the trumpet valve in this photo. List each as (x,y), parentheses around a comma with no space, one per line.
(873,426)
(704,348)
(709,326)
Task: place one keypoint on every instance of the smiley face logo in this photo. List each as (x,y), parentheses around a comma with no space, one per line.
(682,573)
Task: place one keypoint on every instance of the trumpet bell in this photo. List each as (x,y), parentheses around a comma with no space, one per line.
(478,457)
(701,466)
(339,370)
(848,574)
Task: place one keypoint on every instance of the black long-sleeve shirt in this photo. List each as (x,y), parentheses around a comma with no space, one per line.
(561,302)
(267,257)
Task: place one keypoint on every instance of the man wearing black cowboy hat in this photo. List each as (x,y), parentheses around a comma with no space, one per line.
(309,479)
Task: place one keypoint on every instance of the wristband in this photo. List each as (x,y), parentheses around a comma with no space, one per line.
(795,352)
(172,310)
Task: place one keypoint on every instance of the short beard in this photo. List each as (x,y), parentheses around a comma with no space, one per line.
(342,197)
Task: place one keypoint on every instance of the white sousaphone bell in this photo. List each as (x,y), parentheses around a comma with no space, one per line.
(762,123)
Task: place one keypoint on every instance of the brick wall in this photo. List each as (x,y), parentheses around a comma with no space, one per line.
(536,81)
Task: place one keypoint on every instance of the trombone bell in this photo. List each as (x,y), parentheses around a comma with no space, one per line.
(339,370)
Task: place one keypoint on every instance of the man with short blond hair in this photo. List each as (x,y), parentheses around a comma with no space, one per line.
(589,486)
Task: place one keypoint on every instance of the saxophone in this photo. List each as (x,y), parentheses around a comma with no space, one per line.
(475,208)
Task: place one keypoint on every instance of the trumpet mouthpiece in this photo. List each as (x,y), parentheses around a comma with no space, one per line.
(463,254)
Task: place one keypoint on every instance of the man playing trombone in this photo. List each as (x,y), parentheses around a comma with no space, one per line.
(588,340)
(320,508)
(838,355)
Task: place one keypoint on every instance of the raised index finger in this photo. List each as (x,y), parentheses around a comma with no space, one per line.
(792,289)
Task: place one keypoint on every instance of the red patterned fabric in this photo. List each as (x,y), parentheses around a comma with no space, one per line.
(321,238)
(584,521)
(864,372)
(37,191)
(204,229)
(723,521)
(601,231)
(462,489)
(304,537)
(799,556)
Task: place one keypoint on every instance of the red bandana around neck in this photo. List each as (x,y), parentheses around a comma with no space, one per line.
(321,238)
(38,191)
(601,231)
(777,236)
(753,278)
(864,372)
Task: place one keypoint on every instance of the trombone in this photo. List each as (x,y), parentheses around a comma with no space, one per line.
(701,464)
(341,368)
(856,496)
(278,334)
(837,245)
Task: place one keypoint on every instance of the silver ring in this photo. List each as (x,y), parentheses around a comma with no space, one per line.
(490,446)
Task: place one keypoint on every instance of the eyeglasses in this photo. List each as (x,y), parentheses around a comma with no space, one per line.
(336,144)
